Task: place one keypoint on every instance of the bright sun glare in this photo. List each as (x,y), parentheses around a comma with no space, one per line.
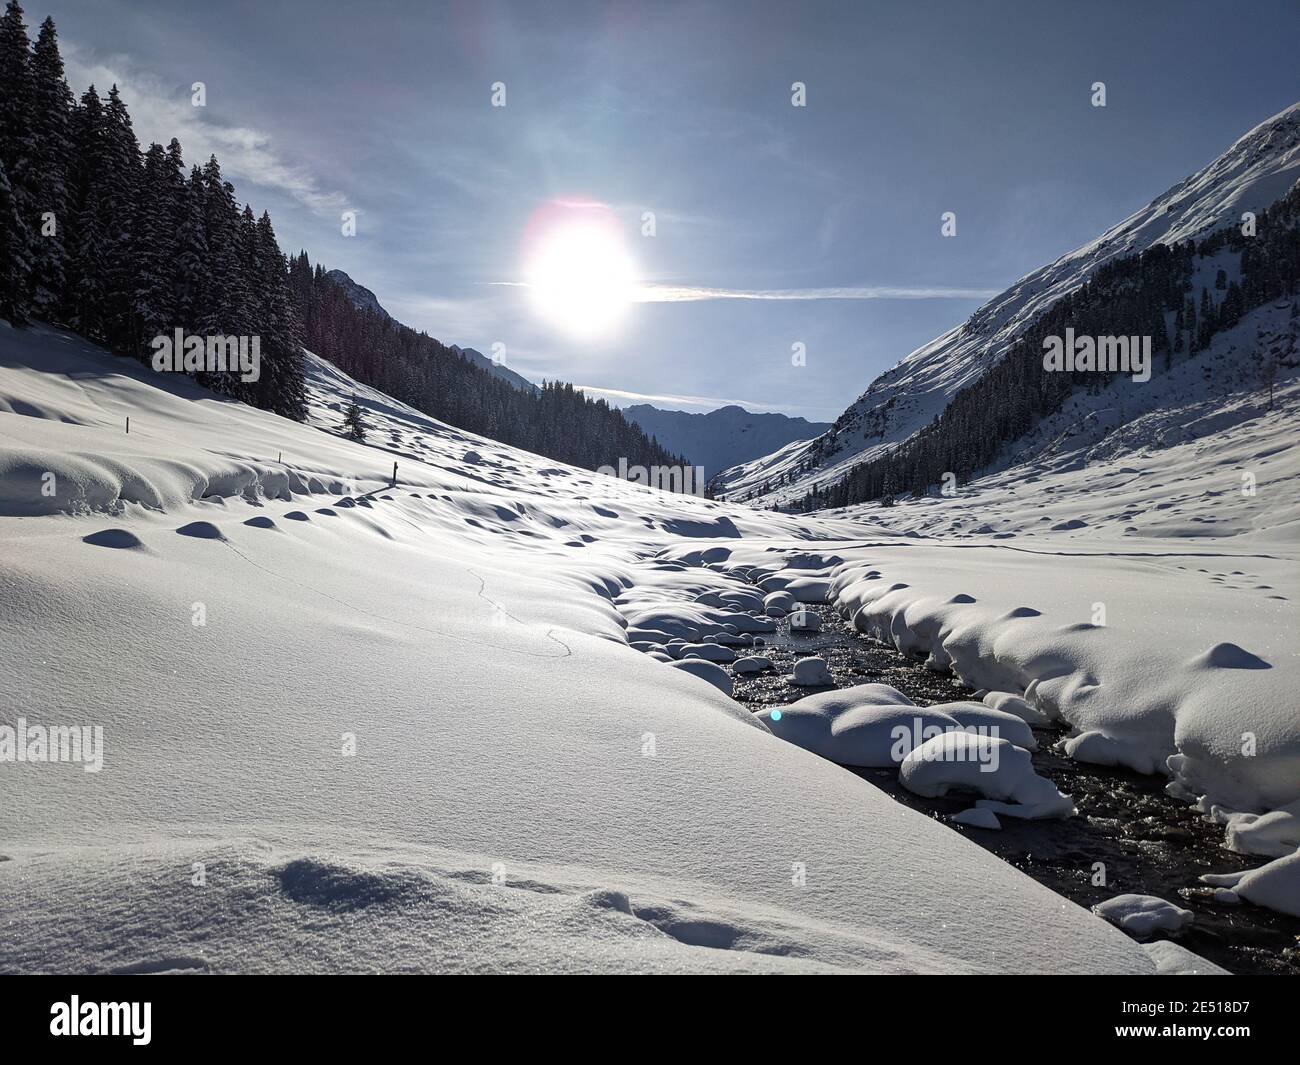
(578,269)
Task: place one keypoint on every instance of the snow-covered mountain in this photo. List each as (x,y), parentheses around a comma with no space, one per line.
(722,437)
(363,299)
(1254,172)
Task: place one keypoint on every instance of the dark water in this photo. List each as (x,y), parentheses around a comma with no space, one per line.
(1149,843)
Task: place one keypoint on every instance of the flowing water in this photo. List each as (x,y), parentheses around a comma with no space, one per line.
(1148,843)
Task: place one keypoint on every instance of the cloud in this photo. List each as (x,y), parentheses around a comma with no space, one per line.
(689,401)
(694,293)
(159,113)
(691,294)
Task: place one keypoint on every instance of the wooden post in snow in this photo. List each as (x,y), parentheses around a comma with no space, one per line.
(128,425)
(394,484)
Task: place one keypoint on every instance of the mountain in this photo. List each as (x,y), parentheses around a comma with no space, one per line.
(365,300)
(1253,173)
(362,298)
(503,372)
(722,437)
(558,420)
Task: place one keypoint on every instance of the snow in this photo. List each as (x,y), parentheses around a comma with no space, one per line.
(986,765)
(977,817)
(411,734)
(990,721)
(1144,915)
(714,674)
(1173,959)
(1251,174)
(1275,885)
(869,725)
(1275,833)
(811,673)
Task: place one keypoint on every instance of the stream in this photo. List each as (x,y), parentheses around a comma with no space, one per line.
(1150,844)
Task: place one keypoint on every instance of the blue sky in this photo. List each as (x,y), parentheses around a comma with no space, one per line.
(913,109)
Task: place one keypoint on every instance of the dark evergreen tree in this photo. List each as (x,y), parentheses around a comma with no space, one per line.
(354,427)
(17,159)
(15,267)
(52,104)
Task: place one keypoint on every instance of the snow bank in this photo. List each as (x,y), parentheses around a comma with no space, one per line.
(1275,885)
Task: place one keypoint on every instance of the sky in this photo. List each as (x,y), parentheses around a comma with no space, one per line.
(830,212)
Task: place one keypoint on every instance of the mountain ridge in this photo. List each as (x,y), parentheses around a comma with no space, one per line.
(1255,171)
(720,438)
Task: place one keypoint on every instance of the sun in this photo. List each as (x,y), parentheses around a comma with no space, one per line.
(579,272)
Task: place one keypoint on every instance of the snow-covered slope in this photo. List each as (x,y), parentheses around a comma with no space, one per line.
(723,437)
(1253,173)
(349,726)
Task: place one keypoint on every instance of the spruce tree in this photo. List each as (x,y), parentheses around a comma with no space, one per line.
(15,267)
(353,426)
(85,291)
(17,153)
(52,160)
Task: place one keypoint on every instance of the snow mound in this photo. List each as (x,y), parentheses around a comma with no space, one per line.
(869,725)
(1144,915)
(811,673)
(1275,885)
(985,765)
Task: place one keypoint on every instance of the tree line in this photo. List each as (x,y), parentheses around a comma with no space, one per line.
(558,421)
(121,245)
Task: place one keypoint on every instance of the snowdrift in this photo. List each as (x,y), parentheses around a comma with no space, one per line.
(354,726)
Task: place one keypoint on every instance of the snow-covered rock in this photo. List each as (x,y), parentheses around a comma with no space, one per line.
(811,673)
(778,604)
(994,768)
(1275,885)
(805,621)
(977,817)
(1144,915)
(990,722)
(869,725)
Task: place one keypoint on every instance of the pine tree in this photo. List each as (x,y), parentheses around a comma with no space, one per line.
(17,152)
(123,209)
(84,296)
(191,279)
(353,426)
(15,267)
(154,300)
(52,161)
(282,387)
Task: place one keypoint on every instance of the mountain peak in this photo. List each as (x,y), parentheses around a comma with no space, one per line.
(1255,171)
(362,298)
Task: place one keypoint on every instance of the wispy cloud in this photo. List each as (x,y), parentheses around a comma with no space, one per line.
(160,112)
(691,294)
(696,293)
(706,402)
